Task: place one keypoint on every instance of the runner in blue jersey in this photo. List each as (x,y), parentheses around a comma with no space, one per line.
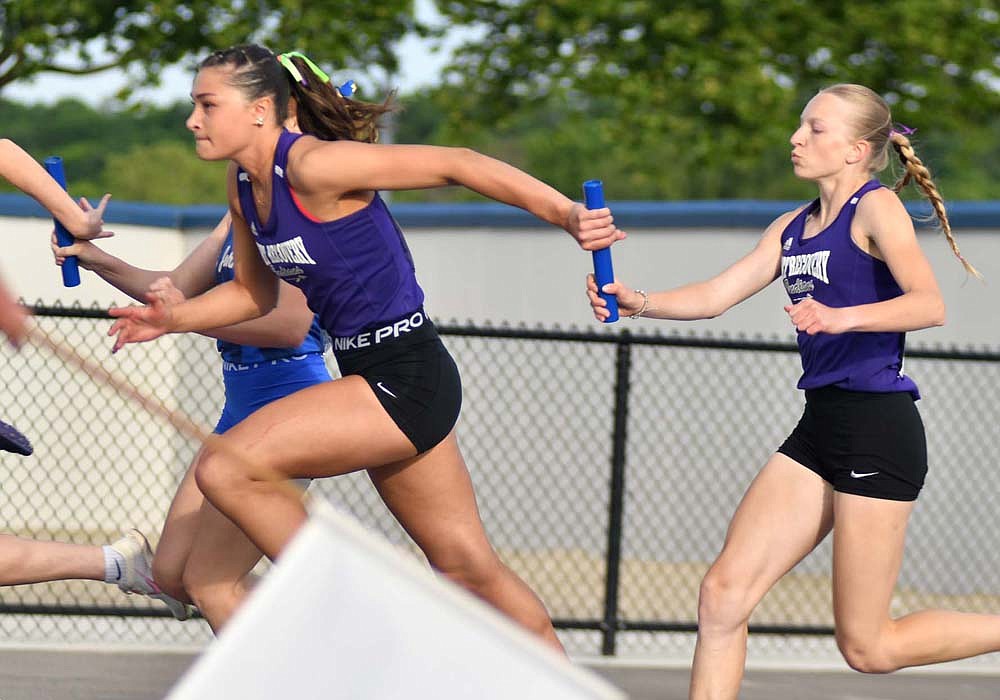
(262,360)
(306,209)
(857,280)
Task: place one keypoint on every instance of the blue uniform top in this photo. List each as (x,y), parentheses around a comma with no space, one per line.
(356,271)
(248,354)
(833,270)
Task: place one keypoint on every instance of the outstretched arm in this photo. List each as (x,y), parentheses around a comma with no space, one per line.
(706,299)
(316,167)
(192,277)
(253,293)
(285,326)
(26,174)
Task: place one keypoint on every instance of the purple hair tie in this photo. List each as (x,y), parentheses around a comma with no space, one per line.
(901,129)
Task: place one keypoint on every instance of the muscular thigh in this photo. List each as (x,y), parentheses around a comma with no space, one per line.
(785,513)
(868,540)
(331,428)
(432,497)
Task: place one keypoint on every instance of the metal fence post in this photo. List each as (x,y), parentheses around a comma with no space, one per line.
(616,505)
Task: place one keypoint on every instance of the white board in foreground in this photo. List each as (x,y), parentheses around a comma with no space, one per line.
(344,615)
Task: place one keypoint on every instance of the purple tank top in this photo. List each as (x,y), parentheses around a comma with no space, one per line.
(833,270)
(356,271)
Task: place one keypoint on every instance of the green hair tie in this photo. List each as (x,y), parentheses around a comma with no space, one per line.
(285,59)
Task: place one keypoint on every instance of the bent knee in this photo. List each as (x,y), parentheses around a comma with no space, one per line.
(865,655)
(215,473)
(469,567)
(723,599)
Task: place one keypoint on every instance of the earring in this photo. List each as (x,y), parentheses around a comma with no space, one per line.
(260,121)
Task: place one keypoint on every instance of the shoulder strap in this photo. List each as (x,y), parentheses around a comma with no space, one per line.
(869,186)
(797,225)
(285,142)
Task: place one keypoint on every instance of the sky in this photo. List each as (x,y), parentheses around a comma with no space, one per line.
(419,65)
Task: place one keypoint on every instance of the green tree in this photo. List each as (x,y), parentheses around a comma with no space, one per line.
(164,173)
(711,88)
(88,36)
(86,137)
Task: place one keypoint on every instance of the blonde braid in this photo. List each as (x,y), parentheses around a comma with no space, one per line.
(914,170)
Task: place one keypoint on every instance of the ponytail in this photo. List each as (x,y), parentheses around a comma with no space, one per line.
(323,111)
(872,122)
(915,171)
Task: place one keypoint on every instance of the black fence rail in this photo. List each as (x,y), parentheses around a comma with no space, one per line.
(606,467)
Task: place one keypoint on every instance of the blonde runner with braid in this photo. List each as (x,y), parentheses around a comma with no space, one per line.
(857,282)
(872,118)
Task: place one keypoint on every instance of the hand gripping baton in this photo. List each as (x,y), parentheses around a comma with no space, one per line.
(593,197)
(70,266)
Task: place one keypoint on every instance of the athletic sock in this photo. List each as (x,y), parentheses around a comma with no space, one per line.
(114,565)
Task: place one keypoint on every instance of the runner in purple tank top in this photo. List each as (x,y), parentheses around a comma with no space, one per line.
(857,281)
(307,210)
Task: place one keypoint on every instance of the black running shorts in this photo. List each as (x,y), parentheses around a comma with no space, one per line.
(862,443)
(412,374)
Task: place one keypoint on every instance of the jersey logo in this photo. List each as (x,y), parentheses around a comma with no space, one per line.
(293,251)
(811,264)
(788,244)
(799,286)
(226,260)
(383,388)
(278,171)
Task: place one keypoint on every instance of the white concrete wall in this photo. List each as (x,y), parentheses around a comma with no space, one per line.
(535,277)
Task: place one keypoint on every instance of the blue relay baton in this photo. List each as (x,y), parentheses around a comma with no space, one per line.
(70,266)
(593,197)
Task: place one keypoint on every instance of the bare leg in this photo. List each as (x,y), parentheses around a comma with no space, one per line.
(867,554)
(217,574)
(431,495)
(325,430)
(178,536)
(24,561)
(296,437)
(217,584)
(785,513)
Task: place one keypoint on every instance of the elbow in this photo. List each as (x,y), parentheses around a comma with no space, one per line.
(710,302)
(938,316)
(713,309)
(290,331)
(264,298)
(934,309)
(463,160)
(297,337)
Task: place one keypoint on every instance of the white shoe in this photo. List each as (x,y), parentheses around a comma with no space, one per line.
(138,574)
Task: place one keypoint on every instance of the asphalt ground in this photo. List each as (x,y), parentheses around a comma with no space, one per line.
(146,674)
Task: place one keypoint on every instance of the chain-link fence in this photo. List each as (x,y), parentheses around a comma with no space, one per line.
(606,468)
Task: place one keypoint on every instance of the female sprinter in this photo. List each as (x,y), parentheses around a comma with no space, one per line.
(306,209)
(857,282)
